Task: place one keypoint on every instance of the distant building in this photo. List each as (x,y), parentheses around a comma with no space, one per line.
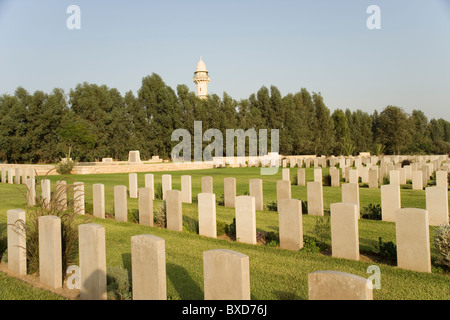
(201,79)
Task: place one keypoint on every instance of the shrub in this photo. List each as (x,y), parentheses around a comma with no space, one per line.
(326,179)
(230,229)
(133,215)
(371,212)
(69,227)
(118,284)
(221,227)
(158,191)
(221,200)
(190,225)
(268,238)
(304,207)
(272,206)
(322,231)
(442,244)
(386,180)
(310,244)
(3,242)
(406,163)
(159,218)
(65,167)
(294,180)
(387,250)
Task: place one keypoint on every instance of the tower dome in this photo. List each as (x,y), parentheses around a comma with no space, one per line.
(201,67)
(201,79)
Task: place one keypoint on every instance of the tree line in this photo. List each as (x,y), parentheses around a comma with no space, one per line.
(93,121)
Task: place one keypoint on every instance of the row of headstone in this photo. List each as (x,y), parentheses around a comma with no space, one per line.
(16,175)
(226,272)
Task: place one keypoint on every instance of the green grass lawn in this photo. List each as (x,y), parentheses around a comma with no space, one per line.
(274,273)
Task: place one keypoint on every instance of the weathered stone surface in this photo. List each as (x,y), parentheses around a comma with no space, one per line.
(78,200)
(186,189)
(133,185)
(45,192)
(344,230)
(148,263)
(413,240)
(315,198)
(417,180)
(207,184)
(16,240)
(61,195)
(285,174)
(390,201)
(166,184)
(290,224)
(50,251)
(149,182)
(301,177)
(145,206)
(229,194)
(226,275)
(245,219)
(335,285)
(283,190)
(350,194)
(92,257)
(120,203)
(207,223)
(256,191)
(174,210)
(98,193)
(437,205)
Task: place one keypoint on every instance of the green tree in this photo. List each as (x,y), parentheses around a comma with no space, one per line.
(74,133)
(393,129)
(323,139)
(341,132)
(420,136)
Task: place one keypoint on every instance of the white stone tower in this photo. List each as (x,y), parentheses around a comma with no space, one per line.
(201,79)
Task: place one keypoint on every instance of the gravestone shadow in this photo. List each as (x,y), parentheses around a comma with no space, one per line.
(183,283)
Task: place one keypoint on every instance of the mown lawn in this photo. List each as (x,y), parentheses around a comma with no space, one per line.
(274,273)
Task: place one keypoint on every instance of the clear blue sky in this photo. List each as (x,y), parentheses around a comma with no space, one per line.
(323,46)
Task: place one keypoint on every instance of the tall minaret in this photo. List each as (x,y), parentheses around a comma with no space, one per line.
(201,79)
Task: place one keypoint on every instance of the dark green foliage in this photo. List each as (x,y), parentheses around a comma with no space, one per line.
(371,212)
(94,121)
(221,227)
(133,215)
(387,250)
(406,162)
(272,206)
(305,207)
(190,225)
(326,180)
(230,230)
(221,200)
(3,241)
(310,244)
(118,283)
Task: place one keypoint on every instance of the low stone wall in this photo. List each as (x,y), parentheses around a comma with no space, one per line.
(98,169)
